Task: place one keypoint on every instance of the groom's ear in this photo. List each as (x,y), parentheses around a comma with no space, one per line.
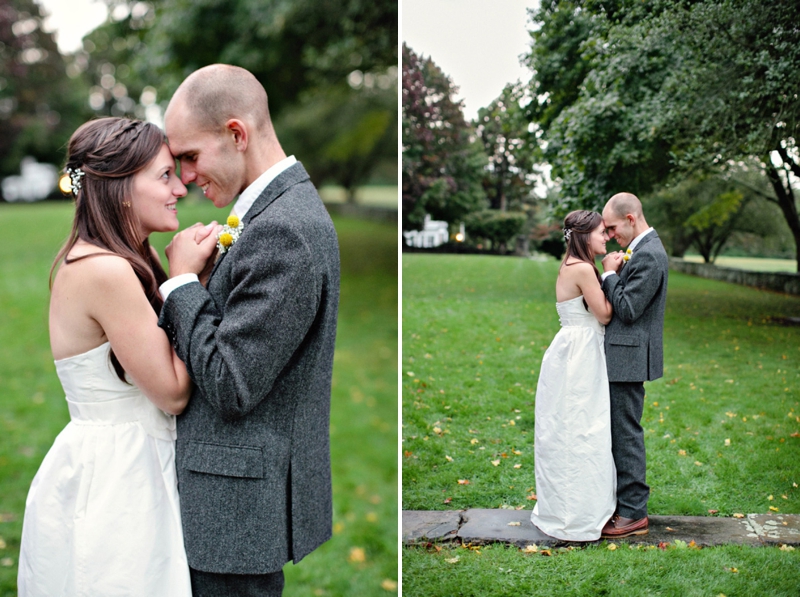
(238,131)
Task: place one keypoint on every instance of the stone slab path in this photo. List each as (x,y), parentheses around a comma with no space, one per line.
(514,527)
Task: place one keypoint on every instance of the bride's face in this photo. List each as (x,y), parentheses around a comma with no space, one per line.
(598,239)
(156,189)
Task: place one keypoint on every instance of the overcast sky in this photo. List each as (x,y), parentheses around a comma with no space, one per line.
(477,43)
(72,19)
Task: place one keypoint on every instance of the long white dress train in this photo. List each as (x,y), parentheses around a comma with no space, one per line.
(575,473)
(102,516)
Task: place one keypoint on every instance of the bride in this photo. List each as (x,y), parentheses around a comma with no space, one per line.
(575,474)
(102,515)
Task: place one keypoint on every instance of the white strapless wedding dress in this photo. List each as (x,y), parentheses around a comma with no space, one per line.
(102,517)
(575,474)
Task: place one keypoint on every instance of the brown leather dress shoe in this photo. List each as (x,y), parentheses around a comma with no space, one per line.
(618,527)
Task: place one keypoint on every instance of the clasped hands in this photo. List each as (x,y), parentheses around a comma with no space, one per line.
(193,250)
(613,261)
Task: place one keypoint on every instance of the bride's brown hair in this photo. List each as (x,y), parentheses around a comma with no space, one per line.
(578,225)
(109,151)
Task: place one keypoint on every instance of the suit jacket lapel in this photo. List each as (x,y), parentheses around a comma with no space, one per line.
(293,175)
(288,178)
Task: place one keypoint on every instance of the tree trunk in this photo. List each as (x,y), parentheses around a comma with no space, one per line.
(787,204)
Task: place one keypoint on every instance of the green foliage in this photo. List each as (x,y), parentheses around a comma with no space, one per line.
(363,403)
(442,165)
(503,128)
(39,105)
(632,93)
(497,227)
(475,329)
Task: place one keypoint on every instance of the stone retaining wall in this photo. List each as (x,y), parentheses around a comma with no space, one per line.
(777,281)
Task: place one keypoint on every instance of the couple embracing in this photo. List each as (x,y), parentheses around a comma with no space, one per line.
(589,442)
(239,345)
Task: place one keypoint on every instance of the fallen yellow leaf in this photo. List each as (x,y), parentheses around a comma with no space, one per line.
(681,452)
(496,462)
(473,441)
(463,482)
(389,585)
(452,560)
(357,555)
(448,458)
(612,547)
(770,498)
(517,465)
(785,547)
(531,548)
(774,509)
(698,463)
(738,515)
(514,524)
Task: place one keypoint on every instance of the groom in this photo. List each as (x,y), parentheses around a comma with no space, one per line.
(636,287)
(252,457)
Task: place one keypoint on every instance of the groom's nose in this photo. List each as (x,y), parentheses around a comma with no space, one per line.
(187,173)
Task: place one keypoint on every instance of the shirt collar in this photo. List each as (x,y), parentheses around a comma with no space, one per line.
(636,240)
(254,190)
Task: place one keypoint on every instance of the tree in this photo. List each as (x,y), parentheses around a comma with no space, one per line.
(328,67)
(442,162)
(503,128)
(40,106)
(656,89)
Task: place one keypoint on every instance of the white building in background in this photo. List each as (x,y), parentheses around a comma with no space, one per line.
(35,182)
(433,234)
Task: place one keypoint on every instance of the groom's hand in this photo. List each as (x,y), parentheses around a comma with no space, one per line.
(191,248)
(611,262)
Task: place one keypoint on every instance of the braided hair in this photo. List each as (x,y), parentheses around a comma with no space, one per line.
(578,225)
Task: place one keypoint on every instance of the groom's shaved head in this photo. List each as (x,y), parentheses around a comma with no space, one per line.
(623,204)
(216,93)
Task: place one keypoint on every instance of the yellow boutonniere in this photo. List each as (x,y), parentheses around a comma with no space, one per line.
(229,234)
(627,255)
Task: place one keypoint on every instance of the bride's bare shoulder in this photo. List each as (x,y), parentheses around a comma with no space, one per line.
(89,263)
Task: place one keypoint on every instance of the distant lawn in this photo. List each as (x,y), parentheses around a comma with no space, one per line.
(363,552)
(722,428)
(754,264)
(372,195)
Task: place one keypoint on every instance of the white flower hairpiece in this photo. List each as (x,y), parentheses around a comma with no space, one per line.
(229,234)
(70,182)
(567,234)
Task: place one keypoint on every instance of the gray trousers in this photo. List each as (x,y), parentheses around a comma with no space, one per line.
(210,584)
(627,447)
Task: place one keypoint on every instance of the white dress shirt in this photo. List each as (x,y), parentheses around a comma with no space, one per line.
(240,208)
(631,246)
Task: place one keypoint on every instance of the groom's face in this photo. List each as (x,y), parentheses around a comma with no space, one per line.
(207,159)
(620,228)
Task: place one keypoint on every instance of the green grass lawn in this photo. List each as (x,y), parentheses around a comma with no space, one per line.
(361,559)
(722,428)
(754,264)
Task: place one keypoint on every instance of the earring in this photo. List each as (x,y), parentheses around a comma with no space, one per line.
(126,203)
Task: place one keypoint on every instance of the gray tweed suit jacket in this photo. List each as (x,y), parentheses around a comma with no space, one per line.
(634,337)
(253,453)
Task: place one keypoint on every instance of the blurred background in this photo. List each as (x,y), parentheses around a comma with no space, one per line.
(329,67)
(330,70)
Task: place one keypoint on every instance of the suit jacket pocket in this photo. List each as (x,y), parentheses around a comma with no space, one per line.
(226,461)
(624,340)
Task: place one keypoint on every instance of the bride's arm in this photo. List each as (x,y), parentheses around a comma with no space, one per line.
(118,303)
(593,292)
